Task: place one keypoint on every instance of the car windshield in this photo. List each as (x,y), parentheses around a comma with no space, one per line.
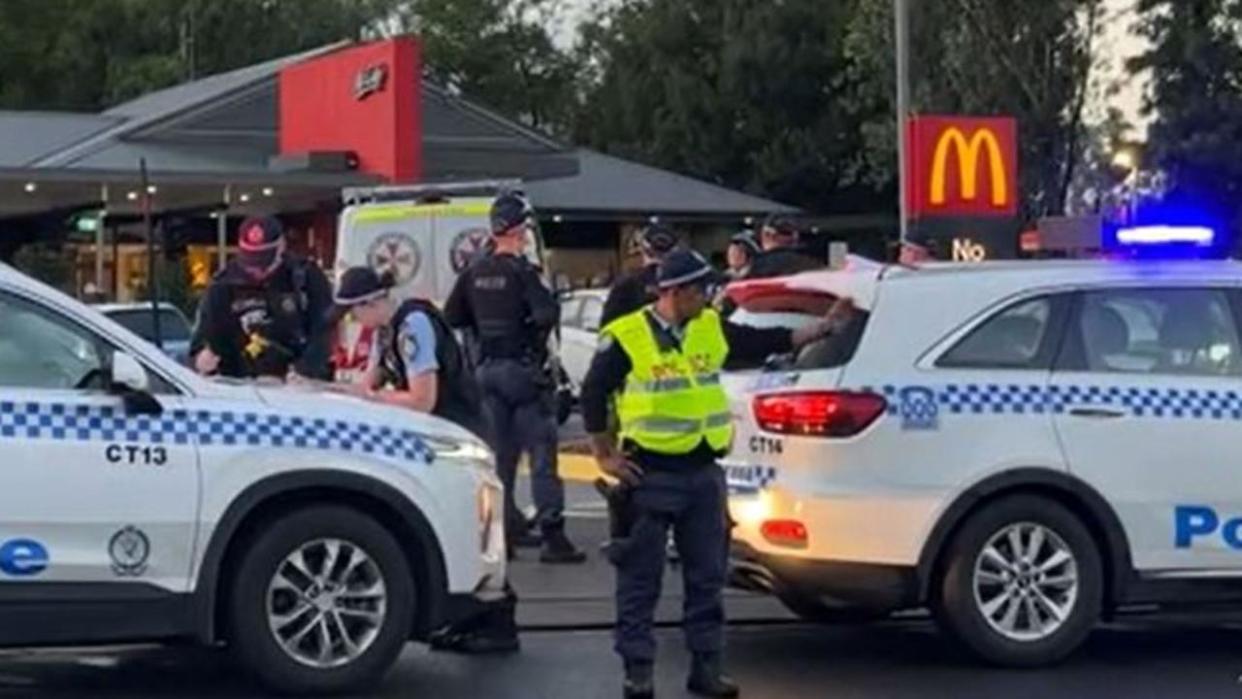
(173,326)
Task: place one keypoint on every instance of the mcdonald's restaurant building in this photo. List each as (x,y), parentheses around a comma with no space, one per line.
(286,137)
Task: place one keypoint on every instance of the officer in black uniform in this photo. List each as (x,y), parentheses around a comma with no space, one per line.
(781,255)
(266,313)
(416,363)
(503,302)
(637,288)
(684,490)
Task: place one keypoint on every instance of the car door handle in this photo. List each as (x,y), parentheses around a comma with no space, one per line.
(1097,413)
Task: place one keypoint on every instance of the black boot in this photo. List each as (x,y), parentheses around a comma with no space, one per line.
(494,631)
(557,548)
(708,680)
(521,534)
(639,681)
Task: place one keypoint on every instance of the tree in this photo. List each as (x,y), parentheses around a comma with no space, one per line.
(753,96)
(69,54)
(1196,99)
(499,52)
(1031,59)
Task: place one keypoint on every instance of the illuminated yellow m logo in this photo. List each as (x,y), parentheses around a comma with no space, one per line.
(968,165)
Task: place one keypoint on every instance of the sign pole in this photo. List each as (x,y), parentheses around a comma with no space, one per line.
(153,282)
(901,13)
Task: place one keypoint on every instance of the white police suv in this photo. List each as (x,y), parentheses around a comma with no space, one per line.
(313,533)
(1023,447)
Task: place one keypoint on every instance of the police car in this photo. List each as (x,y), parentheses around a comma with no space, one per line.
(1022,447)
(311,532)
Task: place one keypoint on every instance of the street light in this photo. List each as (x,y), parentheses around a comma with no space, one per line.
(1125,160)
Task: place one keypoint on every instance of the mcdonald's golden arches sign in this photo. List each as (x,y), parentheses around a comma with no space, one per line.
(962,166)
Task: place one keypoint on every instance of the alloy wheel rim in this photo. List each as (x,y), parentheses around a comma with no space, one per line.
(326,603)
(1026,582)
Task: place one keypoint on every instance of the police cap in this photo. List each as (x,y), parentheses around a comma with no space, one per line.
(682,268)
(259,239)
(657,240)
(509,211)
(359,285)
(746,239)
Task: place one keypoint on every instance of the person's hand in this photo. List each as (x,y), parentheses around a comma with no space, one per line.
(620,468)
(206,362)
(840,314)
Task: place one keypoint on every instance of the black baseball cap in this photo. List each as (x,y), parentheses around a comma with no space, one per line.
(359,285)
(509,211)
(682,268)
(259,239)
(780,225)
(657,240)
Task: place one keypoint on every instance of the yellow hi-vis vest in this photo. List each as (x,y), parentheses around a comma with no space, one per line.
(672,399)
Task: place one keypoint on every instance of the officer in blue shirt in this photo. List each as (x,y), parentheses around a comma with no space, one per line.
(502,300)
(416,363)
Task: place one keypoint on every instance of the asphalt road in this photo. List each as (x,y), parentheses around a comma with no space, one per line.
(567,653)
(771,662)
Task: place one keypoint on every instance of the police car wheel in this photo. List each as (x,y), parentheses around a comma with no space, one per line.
(1022,584)
(322,602)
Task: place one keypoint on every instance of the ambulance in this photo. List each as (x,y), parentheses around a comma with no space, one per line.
(423,236)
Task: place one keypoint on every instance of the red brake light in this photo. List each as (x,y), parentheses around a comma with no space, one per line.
(785,532)
(818,413)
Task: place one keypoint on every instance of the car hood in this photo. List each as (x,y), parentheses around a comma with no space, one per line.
(316,402)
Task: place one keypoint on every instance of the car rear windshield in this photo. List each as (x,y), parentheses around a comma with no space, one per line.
(140,322)
(793,310)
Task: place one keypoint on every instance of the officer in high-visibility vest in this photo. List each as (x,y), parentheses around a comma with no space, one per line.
(662,365)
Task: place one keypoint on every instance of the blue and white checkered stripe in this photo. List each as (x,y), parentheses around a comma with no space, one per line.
(1032,399)
(84,423)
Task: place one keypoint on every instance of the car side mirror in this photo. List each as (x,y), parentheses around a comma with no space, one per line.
(128,374)
(130,380)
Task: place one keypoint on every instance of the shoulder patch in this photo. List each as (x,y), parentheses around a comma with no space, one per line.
(606,341)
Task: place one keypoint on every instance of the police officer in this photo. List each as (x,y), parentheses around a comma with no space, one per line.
(416,363)
(638,288)
(781,256)
(503,302)
(662,364)
(266,313)
(743,249)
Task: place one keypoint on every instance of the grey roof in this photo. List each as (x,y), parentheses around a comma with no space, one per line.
(25,136)
(208,89)
(227,125)
(605,183)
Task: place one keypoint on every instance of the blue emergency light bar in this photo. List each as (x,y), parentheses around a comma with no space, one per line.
(1167,235)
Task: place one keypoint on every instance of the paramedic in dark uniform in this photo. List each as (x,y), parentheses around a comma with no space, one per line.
(503,302)
(781,256)
(416,363)
(662,366)
(266,313)
(637,288)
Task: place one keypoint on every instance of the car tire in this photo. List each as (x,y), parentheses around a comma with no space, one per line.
(817,610)
(996,603)
(368,599)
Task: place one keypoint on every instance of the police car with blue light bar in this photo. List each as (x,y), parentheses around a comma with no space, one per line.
(312,532)
(1025,448)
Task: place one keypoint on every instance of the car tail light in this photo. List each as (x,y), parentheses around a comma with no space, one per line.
(788,533)
(818,413)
